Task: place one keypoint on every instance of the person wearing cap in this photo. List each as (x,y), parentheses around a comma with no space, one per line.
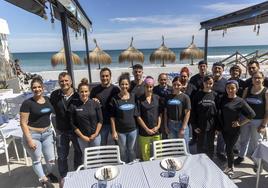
(149,118)
(235,72)
(254,66)
(219,88)
(137,85)
(204,117)
(257,98)
(196,81)
(231,108)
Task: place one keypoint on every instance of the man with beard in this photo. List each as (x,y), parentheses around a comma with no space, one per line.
(103,94)
(253,66)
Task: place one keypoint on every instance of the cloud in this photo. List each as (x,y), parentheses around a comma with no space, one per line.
(157,19)
(224,7)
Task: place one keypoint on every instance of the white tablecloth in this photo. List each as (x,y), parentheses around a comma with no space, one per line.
(203,173)
(12,128)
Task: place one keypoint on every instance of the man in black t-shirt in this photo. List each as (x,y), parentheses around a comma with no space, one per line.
(61,100)
(103,94)
(219,88)
(137,85)
(254,66)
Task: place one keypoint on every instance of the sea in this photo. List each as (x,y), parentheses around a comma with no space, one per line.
(41,61)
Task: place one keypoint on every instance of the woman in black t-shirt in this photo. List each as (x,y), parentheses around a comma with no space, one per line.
(86,118)
(149,118)
(204,116)
(231,107)
(123,119)
(177,112)
(37,134)
(257,98)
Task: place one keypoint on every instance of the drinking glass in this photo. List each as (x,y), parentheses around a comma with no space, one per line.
(171,170)
(102,183)
(184,180)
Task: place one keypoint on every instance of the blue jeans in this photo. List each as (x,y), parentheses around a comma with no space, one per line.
(63,145)
(174,128)
(249,136)
(126,142)
(44,145)
(104,132)
(83,144)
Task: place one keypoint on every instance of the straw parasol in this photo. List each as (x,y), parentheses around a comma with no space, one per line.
(131,54)
(98,56)
(163,54)
(59,58)
(192,52)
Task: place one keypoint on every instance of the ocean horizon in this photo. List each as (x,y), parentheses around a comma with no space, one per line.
(40,61)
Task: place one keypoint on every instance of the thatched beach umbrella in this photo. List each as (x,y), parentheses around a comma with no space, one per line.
(163,54)
(131,54)
(192,52)
(59,58)
(98,56)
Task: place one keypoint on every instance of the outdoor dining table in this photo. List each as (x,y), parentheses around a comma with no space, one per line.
(12,128)
(202,172)
(260,153)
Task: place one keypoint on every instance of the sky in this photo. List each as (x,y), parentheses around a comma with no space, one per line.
(116,21)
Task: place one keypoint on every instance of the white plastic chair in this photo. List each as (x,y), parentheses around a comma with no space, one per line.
(169,148)
(5,141)
(13,107)
(99,156)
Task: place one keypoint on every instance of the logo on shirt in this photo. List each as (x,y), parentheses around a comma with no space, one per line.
(79,109)
(253,101)
(127,107)
(174,102)
(45,110)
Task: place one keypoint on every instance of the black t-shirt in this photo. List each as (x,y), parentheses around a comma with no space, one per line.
(137,90)
(124,112)
(104,95)
(162,92)
(197,81)
(176,106)
(231,110)
(257,102)
(86,116)
(61,107)
(219,86)
(39,114)
(242,86)
(149,112)
(204,110)
(249,82)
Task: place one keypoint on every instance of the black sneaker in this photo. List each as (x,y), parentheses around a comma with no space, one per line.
(47,184)
(238,160)
(221,157)
(52,178)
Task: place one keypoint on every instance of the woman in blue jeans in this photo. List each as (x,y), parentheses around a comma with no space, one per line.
(177,112)
(86,118)
(123,119)
(37,133)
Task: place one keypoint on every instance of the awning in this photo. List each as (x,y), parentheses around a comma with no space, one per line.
(76,16)
(257,14)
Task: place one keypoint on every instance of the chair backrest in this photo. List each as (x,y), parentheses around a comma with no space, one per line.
(169,148)
(13,107)
(99,156)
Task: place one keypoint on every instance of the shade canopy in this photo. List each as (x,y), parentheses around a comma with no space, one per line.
(163,54)
(131,54)
(59,58)
(192,52)
(98,56)
(252,15)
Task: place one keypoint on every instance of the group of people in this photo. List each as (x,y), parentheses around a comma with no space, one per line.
(139,112)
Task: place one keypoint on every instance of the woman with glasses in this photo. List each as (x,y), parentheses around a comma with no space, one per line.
(177,112)
(149,118)
(257,98)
